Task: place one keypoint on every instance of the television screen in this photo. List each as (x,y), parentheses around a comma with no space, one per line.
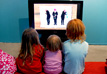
(53,15)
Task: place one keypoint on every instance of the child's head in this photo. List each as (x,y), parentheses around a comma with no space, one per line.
(29,38)
(75,30)
(53,43)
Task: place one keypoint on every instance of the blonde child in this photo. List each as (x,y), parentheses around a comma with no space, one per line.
(76,48)
(31,53)
(53,56)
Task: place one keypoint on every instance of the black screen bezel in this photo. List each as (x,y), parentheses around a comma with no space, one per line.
(31,9)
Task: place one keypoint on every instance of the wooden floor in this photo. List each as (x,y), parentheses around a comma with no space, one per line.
(96,53)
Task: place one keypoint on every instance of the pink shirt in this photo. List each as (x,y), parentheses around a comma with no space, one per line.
(53,62)
(7,63)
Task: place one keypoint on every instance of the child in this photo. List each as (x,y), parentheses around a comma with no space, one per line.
(53,56)
(76,48)
(30,55)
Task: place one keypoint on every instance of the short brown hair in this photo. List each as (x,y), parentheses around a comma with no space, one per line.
(53,43)
(75,30)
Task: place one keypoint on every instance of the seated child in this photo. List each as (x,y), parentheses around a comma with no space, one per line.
(53,56)
(7,63)
(76,48)
(31,53)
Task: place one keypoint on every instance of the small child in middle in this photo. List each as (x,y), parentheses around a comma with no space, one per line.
(53,56)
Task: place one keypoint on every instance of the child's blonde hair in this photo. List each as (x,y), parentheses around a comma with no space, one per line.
(54,43)
(75,30)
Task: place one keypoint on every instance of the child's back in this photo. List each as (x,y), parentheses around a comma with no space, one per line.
(76,48)
(75,54)
(53,62)
(31,53)
(53,56)
(35,66)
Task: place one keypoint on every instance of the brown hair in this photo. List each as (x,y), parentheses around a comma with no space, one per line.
(53,43)
(29,38)
(75,30)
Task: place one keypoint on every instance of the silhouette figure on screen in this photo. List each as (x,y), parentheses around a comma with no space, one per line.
(48,17)
(55,14)
(63,17)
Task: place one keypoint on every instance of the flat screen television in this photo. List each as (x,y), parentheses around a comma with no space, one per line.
(51,17)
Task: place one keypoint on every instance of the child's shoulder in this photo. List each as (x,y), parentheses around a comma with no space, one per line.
(86,43)
(66,42)
(39,45)
(69,42)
